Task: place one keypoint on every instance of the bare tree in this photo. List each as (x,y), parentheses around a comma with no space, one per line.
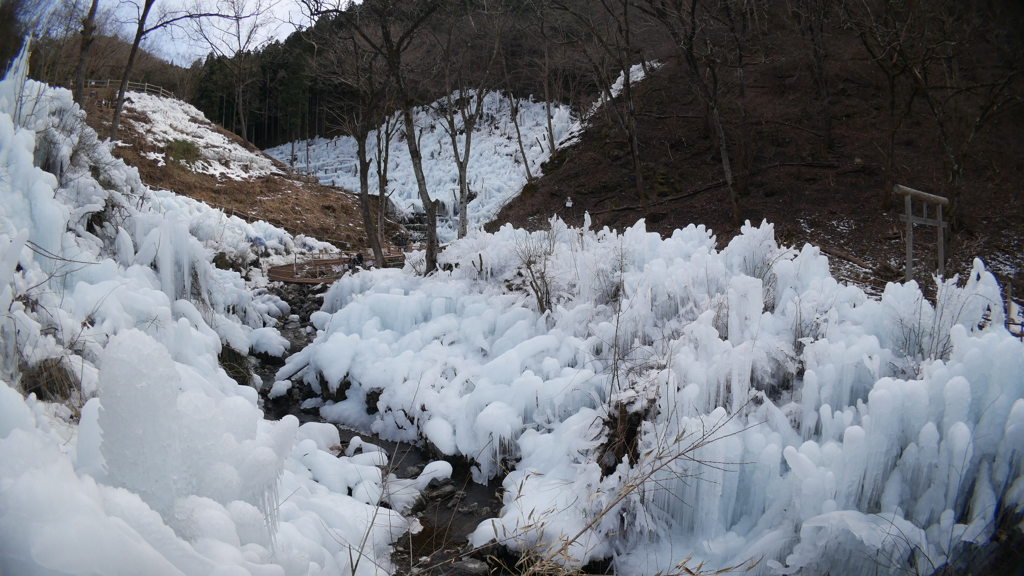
(140,33)
(962,98)
(606,35)
(813,18)
(513,111)
(53,27)
(389,28)
(142,29)
(88,37)
(385,134)
(929,52)
(700,29)
(463,103)
(882,32)
(240,29)
(364,98)
(551,69)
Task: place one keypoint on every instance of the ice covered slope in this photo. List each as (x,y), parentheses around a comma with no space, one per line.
(155,461)
(496,171)
(166,120)
(657,399)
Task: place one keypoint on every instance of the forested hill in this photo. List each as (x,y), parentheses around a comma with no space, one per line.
(805,113)
(314,82)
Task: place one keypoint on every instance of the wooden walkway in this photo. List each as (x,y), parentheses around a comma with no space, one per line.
(325,270)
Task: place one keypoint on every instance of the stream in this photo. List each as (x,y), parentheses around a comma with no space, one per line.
(448,511)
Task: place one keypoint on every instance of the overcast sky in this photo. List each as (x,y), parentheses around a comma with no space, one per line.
(182,45)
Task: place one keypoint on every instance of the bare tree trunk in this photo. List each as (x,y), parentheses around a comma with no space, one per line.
(140,31)
(689,25)
(464,196)
(372,236)
(383,157)
(429,207)
(547,99)
(634,142)
(514,109)
(551,128)
(461,162)
(88,37)
(723,150)
(240,112)
(469,112)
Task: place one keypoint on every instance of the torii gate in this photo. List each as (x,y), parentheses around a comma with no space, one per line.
(939,202)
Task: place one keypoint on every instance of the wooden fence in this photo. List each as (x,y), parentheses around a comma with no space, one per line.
(132,87)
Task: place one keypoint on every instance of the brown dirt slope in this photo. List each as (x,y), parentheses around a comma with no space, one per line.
(834,198)
(298,204)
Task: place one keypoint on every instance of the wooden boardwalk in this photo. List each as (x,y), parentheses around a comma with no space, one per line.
(325,270)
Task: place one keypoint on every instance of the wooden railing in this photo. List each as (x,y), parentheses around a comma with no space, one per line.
(132,87)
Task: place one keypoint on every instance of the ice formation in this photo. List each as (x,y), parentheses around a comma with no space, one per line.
(776,415)
(157,462)
(496,171)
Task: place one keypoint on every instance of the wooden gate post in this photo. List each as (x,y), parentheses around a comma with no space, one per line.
(939,202)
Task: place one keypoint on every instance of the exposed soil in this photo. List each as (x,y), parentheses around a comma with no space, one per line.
(291,201)
(785,172)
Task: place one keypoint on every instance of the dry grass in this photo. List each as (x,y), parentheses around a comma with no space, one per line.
(50,380)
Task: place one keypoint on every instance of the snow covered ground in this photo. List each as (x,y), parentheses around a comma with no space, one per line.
(496,170)
(158,462)
(167,120)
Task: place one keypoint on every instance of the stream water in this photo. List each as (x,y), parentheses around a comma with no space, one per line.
(448,511)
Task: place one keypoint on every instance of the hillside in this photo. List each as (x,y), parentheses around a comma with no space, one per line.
(175,147)
(496,168)
(834,198)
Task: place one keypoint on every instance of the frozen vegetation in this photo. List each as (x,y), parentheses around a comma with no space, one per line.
(640,398)
(657,399)
(157,462)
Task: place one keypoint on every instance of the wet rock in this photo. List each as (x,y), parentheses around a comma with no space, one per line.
(443,492)
(469,567)
(372,397)
(436,483)
(411,471)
